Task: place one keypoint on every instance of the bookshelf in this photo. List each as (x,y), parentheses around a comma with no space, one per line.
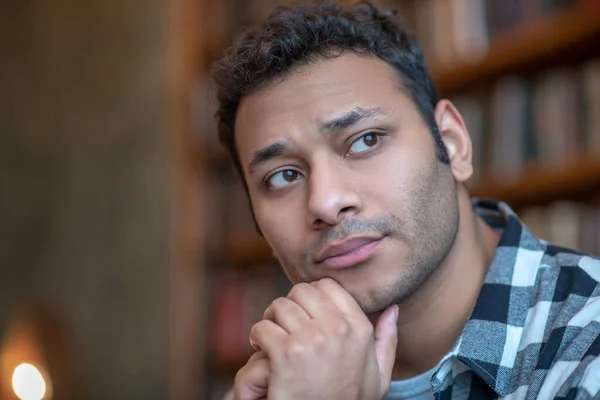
(248,250)
(536,46)
(539,185)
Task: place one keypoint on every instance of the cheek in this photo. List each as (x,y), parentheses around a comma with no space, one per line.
(284,236)
(390,182)
(280,223)
(411,155)
(400,186)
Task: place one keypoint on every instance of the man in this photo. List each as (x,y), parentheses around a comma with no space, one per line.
(404,287)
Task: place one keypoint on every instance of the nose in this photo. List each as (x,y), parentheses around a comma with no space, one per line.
(332,196)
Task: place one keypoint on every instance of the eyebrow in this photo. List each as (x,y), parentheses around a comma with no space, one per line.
(350,118)
(265,154)
(344,121)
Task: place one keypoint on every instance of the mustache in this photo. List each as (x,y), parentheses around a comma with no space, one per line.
(381,224)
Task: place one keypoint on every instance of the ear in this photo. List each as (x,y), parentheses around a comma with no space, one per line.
(456,137)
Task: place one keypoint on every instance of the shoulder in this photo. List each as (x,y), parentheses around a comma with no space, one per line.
(569,285)
(568,289)
(571,275)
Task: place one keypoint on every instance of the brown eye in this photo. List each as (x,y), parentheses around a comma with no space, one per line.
(364,143)
(370,140)
(290,175)
(283,178)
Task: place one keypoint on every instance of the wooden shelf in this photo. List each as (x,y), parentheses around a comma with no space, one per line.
(249,250)
(548,41)
(538,185)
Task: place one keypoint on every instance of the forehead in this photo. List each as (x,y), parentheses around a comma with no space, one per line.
(295,106)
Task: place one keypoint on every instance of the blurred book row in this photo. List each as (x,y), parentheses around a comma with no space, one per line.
(451,29)
(547,119)
(569,224)
(447,29)
(242,298)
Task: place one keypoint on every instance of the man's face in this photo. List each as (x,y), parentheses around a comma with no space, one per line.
(344,180)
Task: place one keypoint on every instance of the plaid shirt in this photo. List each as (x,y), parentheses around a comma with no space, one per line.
(535,330)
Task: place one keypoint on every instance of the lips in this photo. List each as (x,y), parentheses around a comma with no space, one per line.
(348,252)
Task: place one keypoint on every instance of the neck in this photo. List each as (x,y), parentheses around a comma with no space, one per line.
(433,317)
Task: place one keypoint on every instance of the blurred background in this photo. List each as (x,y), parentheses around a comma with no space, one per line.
(130,265)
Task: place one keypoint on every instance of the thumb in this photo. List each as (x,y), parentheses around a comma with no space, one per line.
(252,381)
(386,340)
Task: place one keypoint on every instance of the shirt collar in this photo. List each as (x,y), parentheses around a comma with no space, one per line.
(489,342)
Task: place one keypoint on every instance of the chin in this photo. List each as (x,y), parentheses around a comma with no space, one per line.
(376,297)
(375,300)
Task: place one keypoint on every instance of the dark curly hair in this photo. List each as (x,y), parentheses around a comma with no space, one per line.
(293,36)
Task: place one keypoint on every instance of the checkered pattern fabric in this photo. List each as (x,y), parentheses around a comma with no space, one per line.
(535,330)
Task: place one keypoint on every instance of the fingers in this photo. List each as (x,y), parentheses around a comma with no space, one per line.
(313,333)
(386,341)
(287,314)
(267,336)
(338,296)
(313,301)
(259,354)
(252,380)
(323,298)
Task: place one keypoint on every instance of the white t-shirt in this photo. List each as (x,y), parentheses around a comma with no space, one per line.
(415,388)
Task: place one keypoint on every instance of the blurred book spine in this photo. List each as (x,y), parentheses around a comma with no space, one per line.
(451,30)
(567,224)
(241,299)
(548,119)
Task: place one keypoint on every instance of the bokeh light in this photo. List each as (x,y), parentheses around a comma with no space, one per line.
(28,382)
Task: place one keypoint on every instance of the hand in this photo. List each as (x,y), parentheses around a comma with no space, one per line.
(252,380)
(320,345)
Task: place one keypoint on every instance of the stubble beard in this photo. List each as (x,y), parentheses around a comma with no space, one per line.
(412,276)
(434,233)
(432,251)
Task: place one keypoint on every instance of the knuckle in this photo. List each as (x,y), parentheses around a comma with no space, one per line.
(322,284)
(274,308)
(325,282)
(318,339)
(256,329)
(299,288)
(341,328)
(318,284)
(293,348)
(298,291)
(267,313)
(278,302)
